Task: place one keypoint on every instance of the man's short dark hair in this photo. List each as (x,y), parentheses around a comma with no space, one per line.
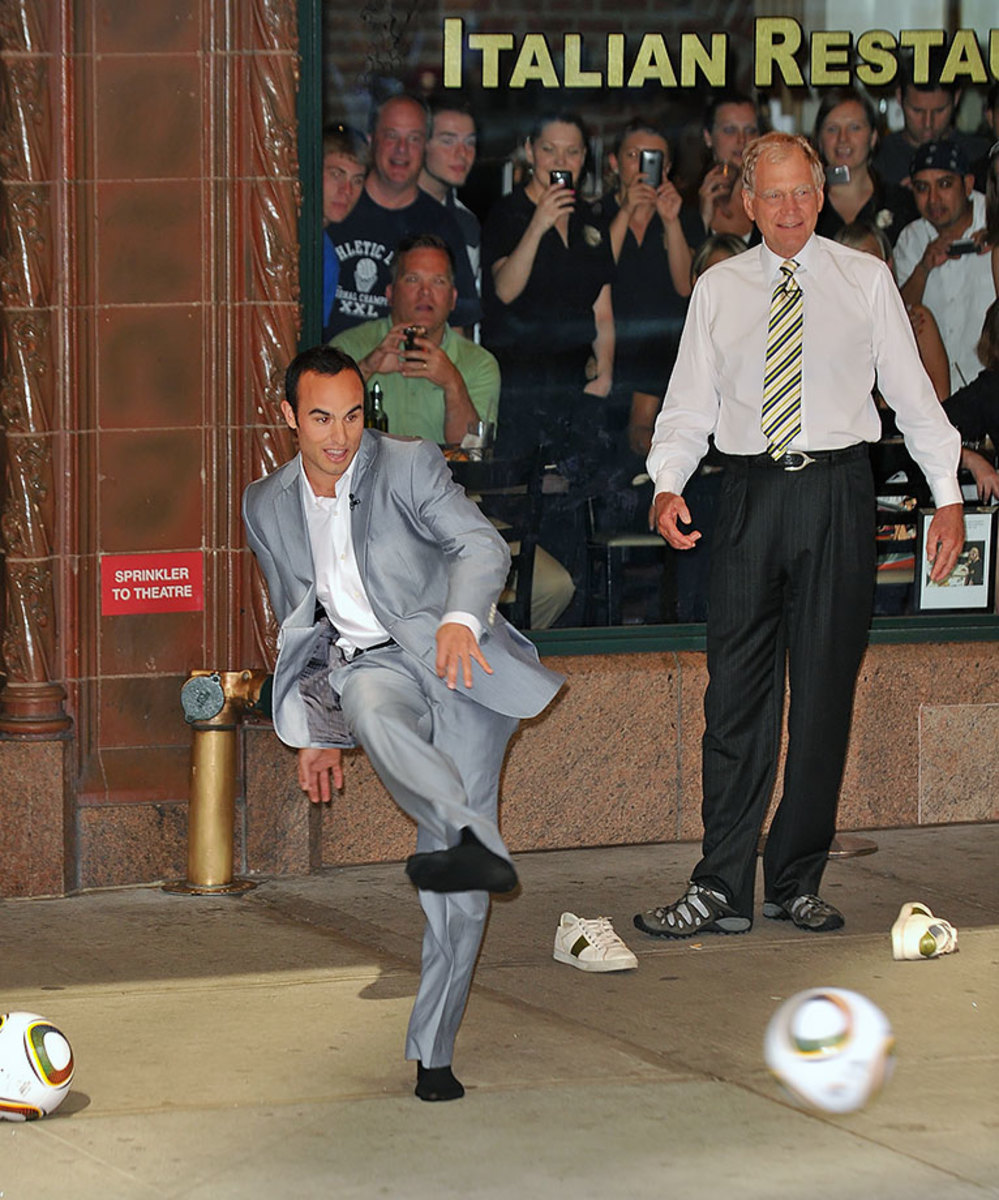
(422,241)
(442,102)
(320,360)
(727,96)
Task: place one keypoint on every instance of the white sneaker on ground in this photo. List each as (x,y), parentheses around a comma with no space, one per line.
(917,933)
(591,944)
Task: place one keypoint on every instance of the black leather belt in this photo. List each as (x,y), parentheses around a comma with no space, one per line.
(376,646)
(797,460)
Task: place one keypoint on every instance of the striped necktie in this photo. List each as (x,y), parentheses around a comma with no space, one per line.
(781,417)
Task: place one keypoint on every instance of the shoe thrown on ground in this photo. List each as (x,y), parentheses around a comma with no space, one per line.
(700,910)
(591,944)
(917,933)
(807,912)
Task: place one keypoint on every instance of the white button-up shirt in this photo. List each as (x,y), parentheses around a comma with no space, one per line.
(855,330)
(338,581)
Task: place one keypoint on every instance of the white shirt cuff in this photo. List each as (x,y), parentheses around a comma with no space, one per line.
(946,491)
(464,618)
(669,481)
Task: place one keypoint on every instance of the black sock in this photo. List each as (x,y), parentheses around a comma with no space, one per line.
(467,867)
(437,1083)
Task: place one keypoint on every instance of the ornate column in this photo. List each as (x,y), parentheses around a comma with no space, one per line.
(269,323)
(31,702)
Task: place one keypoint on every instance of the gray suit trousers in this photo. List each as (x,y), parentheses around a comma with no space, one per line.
(439,754)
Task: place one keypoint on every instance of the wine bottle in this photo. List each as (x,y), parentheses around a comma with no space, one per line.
(376,416)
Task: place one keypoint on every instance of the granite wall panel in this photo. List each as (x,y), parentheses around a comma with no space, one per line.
(37,853)
(599,766)
(616,760)
(122,844)
(958,763)
(283,829)
(881,784)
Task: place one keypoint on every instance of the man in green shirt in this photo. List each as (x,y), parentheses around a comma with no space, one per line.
(445,382)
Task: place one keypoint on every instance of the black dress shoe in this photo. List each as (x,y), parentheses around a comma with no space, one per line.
(437,1083)
(467,867)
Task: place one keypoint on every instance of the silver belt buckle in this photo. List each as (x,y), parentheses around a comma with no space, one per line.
(806,460)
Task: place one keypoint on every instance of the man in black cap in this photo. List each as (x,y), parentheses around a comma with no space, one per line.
(938,263)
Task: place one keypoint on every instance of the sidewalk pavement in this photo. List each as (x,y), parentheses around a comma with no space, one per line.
(245,1047)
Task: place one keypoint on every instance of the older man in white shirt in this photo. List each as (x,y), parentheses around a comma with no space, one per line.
(778,358)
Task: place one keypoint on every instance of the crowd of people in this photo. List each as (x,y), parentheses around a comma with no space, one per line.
(557,319)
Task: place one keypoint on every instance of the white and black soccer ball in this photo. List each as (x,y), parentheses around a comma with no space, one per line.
(36,1066)
(830,1048)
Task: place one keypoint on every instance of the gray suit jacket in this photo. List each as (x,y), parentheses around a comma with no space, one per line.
(423,549)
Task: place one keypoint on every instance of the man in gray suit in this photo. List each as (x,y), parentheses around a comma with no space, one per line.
(384,578)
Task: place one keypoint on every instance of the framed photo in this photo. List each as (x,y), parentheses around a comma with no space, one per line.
(970,587)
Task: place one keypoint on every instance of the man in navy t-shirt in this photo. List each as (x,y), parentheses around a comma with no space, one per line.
(393,207)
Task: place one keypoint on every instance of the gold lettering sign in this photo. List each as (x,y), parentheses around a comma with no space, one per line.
(612,60)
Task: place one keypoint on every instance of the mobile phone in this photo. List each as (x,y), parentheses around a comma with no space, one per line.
(411,333)
(650,163)
(562,177)
(837,175)
(962,246)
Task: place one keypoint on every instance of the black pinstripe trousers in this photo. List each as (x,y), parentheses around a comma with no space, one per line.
(792,584)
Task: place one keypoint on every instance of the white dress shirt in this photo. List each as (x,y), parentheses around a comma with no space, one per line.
(855,329)
(957,292)
(338,581)
(339,588)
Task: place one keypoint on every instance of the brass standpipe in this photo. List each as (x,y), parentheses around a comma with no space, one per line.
(213,702)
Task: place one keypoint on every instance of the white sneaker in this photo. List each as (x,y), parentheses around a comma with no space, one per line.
(591,945)
(917,933)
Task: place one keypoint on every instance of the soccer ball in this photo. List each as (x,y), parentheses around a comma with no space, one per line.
(830,1048)
(36,1066)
